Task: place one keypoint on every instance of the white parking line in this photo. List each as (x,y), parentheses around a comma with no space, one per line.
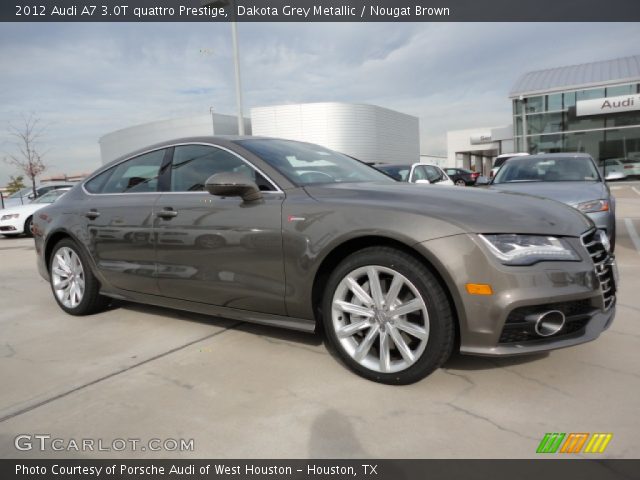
(635,190)
(633,234)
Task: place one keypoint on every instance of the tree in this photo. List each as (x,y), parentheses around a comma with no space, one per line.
(28,157)
(15,184)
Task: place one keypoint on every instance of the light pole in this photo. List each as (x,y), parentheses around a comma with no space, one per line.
(236,53)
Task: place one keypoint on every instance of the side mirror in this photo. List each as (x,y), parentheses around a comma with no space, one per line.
(423,181)
(615,176)
(482,181)
(233,185)
(31,196)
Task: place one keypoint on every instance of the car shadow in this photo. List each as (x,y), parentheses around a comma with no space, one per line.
(457,361)
(280,334)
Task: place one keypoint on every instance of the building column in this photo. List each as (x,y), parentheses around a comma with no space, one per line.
(466,161)
(476,163)
(487,164)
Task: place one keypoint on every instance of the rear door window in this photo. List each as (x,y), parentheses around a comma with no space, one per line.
(137,175)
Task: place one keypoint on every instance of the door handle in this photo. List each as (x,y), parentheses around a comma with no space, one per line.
(167,213)
(92,214)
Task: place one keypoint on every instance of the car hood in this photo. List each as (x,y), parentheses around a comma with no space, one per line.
(27,209)
(570,193)
(471,210)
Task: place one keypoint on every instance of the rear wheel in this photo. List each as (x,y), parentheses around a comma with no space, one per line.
(461,183)
(387,316)
(74,286)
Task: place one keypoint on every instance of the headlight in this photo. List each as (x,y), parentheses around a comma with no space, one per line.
(513,249)
(593,206)
(10,216)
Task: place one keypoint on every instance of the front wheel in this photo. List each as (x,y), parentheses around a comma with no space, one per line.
(27,227)
(387,316)
(74,286)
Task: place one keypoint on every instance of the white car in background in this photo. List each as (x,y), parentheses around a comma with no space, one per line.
(16,221)
(25,196)
(415,173)
(631,166)
(612,165)
(500,159)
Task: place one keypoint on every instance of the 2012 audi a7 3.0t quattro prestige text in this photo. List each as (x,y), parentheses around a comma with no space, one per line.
(294,235)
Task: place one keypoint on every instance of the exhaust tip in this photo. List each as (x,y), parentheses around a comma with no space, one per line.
(549,323)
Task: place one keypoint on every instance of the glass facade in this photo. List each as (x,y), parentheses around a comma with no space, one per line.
(550,125)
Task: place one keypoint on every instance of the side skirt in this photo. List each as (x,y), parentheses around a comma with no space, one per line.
(281,321)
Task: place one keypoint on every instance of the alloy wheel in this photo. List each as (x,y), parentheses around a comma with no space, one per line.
(68,278)
(380,319)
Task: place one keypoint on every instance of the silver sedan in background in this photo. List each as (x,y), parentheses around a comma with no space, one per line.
(570,178)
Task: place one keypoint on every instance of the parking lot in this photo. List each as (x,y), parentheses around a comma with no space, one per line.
(240,390)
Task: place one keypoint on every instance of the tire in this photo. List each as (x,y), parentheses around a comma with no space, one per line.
(27,227)
(365,328)
(612,239)
(82,297)
(460,183)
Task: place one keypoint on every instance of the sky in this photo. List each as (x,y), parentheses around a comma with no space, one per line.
(85,80)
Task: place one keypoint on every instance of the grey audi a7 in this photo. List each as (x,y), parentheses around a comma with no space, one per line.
(294,235)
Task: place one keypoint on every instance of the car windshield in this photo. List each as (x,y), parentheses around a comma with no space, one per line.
(50,197)
(547,169)
(397,172)
(307,164)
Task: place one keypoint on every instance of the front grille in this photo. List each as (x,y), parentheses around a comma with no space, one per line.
(517,329)
(601,261)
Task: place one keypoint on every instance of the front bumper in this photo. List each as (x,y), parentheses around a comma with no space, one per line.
(604,221)
(483,320)
(13,226)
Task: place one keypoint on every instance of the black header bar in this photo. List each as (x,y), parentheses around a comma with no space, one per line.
(547,469)
(319,11)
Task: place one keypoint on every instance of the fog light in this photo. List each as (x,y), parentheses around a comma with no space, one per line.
(479,289)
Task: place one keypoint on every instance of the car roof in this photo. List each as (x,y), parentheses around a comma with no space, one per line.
(520,154)
(558,155)
(216,139)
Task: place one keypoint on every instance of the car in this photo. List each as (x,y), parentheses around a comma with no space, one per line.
(24,196)
(424,173)
(570,178)
(462,177)
(500,159)
(612,165)
(16,221)
(626,166)
(374,264)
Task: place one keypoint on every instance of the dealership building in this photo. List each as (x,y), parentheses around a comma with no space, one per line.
(367,132)
(129,139)
(592,108)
